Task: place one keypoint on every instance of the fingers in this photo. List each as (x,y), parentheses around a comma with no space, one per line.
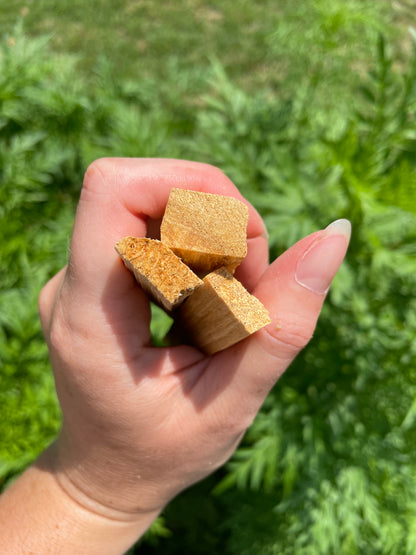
(117,198)
(255,263)
(293,289)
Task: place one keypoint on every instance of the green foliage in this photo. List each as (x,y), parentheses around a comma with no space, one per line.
(336,39)
(327,467)
(337,429)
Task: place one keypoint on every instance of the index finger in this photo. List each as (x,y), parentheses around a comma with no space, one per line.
(119,195)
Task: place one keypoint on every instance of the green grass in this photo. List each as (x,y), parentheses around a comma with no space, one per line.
(257,42)
(141,38)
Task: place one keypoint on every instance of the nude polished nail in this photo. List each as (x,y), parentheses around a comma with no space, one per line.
(319,264)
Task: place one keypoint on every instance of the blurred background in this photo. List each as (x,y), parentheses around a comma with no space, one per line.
(309,107)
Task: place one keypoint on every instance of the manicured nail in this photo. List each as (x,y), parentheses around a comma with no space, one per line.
(319,264)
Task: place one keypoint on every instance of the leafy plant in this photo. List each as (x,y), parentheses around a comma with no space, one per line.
(336,429)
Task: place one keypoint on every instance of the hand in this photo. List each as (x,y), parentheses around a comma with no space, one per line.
(141,423)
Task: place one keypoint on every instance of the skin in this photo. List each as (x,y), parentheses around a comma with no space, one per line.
(140,424)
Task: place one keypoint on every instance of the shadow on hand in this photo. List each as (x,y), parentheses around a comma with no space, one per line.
(130,315)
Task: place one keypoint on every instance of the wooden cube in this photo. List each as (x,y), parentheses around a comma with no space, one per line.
(220,313)
(206,231)
(160,273)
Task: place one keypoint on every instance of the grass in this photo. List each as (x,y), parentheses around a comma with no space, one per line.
(256,42)
(142,37)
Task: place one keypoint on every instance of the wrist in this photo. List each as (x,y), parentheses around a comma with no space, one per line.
(44,517)
(106,479)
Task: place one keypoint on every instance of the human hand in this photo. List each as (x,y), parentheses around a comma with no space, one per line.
(142,423)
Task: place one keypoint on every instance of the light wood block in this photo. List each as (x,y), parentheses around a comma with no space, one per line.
(206,231)
(160,273)
(221,313)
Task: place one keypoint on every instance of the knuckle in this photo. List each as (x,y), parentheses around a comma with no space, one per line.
(289,337)
(97,172)
(214,170)
(64,347)
(47,298)
(213,175)
(229,424)
(43,303)
(57,335)
(61,330)
(44,306)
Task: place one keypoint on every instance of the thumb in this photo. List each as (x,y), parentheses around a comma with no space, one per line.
(293,289)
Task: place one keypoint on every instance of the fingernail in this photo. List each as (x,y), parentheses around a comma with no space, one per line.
(319,264)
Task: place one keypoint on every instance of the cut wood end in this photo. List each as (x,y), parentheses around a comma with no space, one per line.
(245,307)
(206,230)
(160,273)
(221,312)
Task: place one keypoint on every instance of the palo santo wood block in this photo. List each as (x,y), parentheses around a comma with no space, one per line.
(220,313)
(160,273)
(207,231)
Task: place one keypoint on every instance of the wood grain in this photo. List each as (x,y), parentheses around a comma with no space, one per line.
(160,273)
(206,231)
(220,313)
